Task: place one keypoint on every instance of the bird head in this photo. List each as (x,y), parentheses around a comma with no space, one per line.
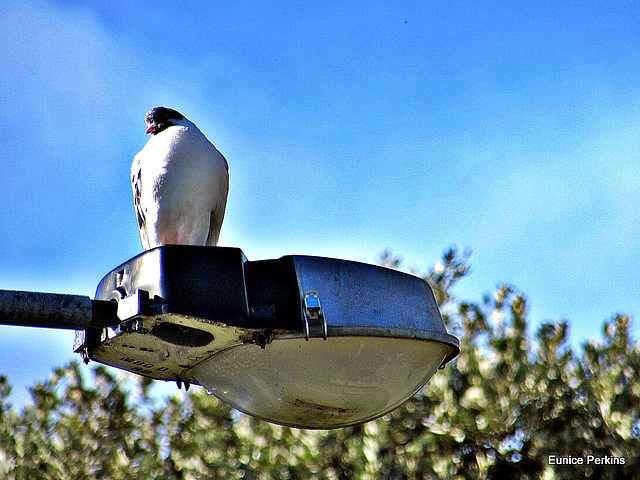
(160,118)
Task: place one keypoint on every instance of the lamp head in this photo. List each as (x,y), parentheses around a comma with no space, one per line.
(308,342)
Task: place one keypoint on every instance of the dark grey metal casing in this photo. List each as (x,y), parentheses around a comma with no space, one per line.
(211,298)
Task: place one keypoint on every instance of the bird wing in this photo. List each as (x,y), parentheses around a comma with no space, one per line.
(217,214)
(136,187)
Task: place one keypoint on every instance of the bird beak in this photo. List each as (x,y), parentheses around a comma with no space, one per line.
(150,129)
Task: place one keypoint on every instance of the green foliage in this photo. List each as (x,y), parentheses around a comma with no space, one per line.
(509,402)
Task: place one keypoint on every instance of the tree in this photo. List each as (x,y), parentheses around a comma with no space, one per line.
(509,406)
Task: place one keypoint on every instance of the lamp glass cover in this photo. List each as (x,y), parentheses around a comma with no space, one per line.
(320,383)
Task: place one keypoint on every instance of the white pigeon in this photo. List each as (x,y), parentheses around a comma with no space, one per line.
(180,183)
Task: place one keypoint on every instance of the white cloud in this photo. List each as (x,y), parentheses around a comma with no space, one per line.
(70,94)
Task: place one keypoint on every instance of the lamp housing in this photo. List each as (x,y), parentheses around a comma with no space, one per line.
(303,341)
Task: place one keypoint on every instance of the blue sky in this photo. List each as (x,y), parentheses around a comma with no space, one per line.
(349,127)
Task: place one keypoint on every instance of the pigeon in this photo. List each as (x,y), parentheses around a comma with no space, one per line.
(180,183)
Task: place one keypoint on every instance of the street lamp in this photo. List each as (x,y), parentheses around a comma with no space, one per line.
(308,342)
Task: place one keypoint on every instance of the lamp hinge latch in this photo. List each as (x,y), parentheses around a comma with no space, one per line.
(315,324)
